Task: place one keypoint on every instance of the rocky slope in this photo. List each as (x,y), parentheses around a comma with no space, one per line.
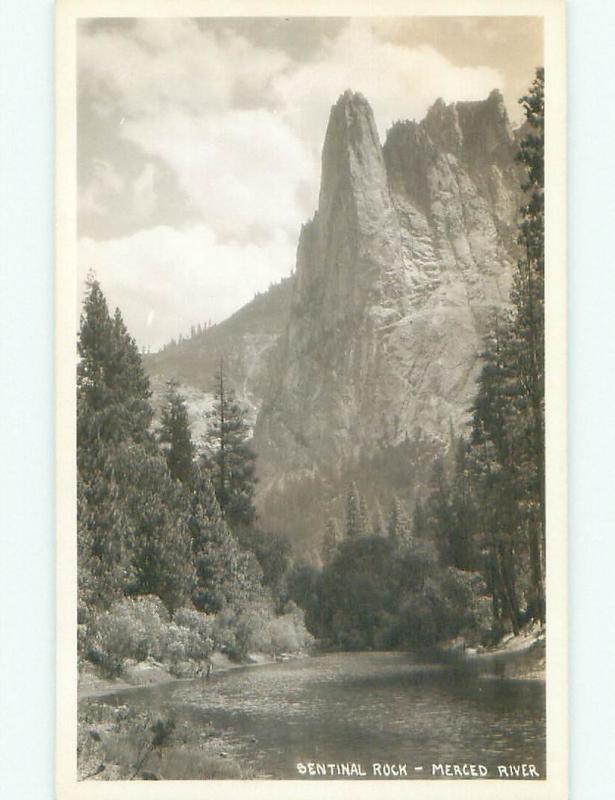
(410,252)
(243,341)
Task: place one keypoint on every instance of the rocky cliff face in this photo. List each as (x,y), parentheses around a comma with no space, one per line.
(409,253)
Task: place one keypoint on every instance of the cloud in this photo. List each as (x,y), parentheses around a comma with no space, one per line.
(155,65)
(144,191)
(104,186)
(399,82)
(242,168)
(165,280)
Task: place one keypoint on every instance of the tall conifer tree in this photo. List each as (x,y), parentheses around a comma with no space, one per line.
(331,539)
(228,455)
(508,413)
(528,331)
(113,410)
(399,528)
(225,574)
(355,510)
(175,434)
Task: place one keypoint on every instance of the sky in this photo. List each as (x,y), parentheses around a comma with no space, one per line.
(199,140)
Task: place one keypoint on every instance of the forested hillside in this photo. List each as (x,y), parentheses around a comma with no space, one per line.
(243,340)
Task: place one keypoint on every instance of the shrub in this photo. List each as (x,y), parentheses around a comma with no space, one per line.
(113,641)
(132,628)
(287,633)
(224,630)
(139,628)
(251,629)
(198,634)
(175,650)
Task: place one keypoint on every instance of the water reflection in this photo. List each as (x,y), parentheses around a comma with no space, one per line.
(363,708)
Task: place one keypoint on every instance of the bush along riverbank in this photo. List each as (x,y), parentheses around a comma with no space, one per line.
(137,641)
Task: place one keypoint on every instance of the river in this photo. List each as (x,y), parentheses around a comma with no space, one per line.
(361,708)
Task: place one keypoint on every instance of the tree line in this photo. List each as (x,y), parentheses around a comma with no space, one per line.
(151,520)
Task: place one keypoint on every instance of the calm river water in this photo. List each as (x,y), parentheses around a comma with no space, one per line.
(362,708)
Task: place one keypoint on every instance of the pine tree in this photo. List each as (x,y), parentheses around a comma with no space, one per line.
(494,470)
(508,414)
(94,395)
(363,516)
(528,332)
(130,385)
(438,506)
(399,528)
(228,456)
(331,539)
(355,521)
(156,509)
(419,522)
(175,434)
(225,574)
(113,411)
(378,524)
(103,534)
(112,389)
(462,511)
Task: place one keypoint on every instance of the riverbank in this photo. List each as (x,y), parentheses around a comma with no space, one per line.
(150,673)
(120,742)
(124,742)
(520,657)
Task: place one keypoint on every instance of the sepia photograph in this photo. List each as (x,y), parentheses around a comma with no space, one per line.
(311,340)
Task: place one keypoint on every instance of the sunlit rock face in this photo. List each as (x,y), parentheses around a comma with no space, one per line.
(409,254)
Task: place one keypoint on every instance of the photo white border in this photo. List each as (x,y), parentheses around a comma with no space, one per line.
(555,785)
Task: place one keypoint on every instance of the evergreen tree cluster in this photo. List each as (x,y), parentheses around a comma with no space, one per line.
(361,522)
(196,332)
(394,583)
(304,505)
(150,521)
